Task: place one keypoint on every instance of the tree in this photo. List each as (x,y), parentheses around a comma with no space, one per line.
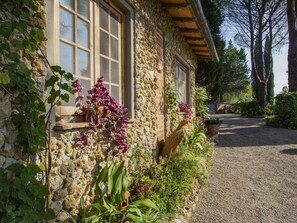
(268,65)
(254,21)
(230,75)
(292,51)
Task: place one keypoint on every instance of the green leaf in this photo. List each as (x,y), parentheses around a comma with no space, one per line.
(4,78)
(30,4)
(6,29)
(22,25)
(145,203)
(56,69)
(51,81)
(37,34)
(68,76)
(17,43)
(65,97)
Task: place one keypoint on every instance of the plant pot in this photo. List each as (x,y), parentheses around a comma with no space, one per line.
(212,129)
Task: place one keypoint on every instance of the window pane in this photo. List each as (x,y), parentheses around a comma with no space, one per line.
(83,63)
(115,76)
(86,86)
(114,24)
(66,57)
(115,93)
(114,48)
(68,3)
(103,18)
(104,43)
(66,24)
(104,68)
(107,87)
(83,7)
(83,33)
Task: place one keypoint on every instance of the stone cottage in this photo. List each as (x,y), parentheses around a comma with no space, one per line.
(139,47)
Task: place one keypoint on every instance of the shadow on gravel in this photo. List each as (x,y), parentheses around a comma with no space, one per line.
(289,151)
(246,136)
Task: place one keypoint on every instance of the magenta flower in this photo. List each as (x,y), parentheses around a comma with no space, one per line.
(184,107)
(104,114)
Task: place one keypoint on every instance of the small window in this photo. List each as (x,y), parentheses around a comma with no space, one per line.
(181,80)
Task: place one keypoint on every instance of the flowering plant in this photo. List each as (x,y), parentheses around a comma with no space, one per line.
(184,107)
(103,113)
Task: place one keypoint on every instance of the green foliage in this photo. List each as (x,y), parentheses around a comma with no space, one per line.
(172,99)
(230,75)
(286,110)
(251,109)
(170,182)
(212,121)
(111,186)
(22,196)
(201,97)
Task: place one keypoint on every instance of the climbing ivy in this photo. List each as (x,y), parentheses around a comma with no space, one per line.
(22,191)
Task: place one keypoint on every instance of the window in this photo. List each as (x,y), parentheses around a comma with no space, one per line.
(181,80)
(86,38)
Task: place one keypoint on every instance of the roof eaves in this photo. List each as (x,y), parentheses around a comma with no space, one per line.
(198,11)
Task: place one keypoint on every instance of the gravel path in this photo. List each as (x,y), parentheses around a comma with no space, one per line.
(254,175)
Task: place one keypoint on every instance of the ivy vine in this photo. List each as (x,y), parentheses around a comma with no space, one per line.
(22,192)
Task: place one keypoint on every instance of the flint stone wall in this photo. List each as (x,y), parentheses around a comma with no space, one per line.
(74,169)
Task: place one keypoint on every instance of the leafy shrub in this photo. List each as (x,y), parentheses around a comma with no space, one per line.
(286,109)
(251,109)
(174,178)
(201,96)
(111,186)
(22,196)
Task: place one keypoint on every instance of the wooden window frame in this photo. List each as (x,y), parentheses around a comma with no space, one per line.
(52,9)
(182,64)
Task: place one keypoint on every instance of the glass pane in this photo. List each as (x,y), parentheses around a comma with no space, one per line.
(83,7)
(67,57)
(83,33)
(114,48)
(104,68)
(104,43)
(114,24)
(68,3)
(107,87)
(86,86)
(83,63)
(115,93)
(66,24)
(115,76)
(103,18)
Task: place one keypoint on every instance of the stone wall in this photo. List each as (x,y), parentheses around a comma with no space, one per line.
(73,169)
(9,104)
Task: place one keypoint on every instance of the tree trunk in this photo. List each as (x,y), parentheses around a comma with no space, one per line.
(292,52)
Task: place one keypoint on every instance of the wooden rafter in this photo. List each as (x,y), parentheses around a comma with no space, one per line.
(194,38)
(175,5)
(183,19)
(197,45)
(186,30)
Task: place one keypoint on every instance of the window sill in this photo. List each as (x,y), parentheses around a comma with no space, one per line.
(70,126)
(78,125)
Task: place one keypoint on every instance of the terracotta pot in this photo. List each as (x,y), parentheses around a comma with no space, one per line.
(213,129)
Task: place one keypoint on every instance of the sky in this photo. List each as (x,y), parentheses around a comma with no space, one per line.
(280,63)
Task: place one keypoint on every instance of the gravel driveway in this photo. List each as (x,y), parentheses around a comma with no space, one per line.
(254,175)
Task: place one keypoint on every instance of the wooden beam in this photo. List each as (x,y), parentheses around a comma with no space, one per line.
(197,45)
(186,30)
(183,19)
(194,38)
(175,5)
(201,51)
